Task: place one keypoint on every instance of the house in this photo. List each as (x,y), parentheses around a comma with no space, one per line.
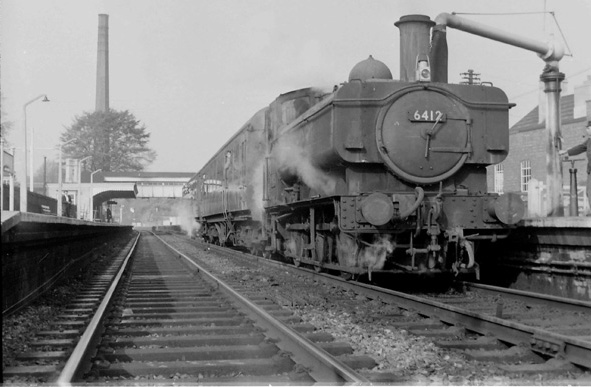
(524,169)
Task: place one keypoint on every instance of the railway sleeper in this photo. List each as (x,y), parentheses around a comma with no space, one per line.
(54,343)
(358,362)
(185,341)
(451,332)
(60,334)
(336,348)
(38,371)
(515,354)
(186,353)
(44,356)
(184,330)
(482,342)
(552,366)
(417,325)
(274,366)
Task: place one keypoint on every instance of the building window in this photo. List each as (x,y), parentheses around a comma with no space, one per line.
(498,178)
(525,174)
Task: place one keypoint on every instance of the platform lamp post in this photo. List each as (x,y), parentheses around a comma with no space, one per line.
(91,194)
(11,183)
(78,199)
(23,189)
(59,179)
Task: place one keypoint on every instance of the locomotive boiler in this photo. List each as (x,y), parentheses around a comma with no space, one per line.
(376,175)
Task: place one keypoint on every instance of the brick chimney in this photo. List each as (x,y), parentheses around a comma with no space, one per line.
(582,97)
(102,65)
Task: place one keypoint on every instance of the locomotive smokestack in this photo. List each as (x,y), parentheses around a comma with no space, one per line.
(414,43)
(102,65)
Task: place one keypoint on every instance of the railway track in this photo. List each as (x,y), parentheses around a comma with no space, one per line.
(166,323)
(53,346)
(165,318)
(526,333)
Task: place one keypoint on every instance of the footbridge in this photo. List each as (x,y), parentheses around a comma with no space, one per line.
(88,190)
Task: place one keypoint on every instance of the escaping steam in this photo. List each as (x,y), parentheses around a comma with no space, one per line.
(185,214)
(374,255)
(255,198)
(371,256)
(296,160)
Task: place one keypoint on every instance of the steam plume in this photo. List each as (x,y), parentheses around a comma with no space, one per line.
(296,160)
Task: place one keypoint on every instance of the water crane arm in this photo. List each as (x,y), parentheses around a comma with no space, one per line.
(548,51)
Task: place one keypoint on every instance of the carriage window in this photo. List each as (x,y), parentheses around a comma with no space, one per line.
(212,185)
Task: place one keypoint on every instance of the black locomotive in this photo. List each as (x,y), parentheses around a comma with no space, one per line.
(374,175)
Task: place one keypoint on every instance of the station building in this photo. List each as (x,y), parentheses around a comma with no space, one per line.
(524,169)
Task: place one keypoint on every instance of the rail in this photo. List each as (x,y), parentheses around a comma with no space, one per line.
(325,366)
(82,350)
(574,350)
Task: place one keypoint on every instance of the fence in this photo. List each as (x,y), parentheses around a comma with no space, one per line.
(37,203)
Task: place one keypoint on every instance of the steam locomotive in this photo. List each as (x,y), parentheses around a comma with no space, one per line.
(376,175)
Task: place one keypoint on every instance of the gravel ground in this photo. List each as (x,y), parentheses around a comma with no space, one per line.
(364,323)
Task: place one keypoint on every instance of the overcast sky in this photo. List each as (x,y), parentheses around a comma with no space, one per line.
(193,71)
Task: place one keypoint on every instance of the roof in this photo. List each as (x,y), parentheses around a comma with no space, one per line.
(530,120)
(134,176)
(163,175)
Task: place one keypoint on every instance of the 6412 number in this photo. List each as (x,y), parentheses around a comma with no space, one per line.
(426,116)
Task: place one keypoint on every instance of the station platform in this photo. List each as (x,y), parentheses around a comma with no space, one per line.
(38,250)
(570,231)
(11,219)
(551,255)
(566,222)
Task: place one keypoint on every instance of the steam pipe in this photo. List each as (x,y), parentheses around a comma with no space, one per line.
(417,203)
(548,51)
(438,54)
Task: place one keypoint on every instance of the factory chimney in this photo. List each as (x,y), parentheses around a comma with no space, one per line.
(102,65)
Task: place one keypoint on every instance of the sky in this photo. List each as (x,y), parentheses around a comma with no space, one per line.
(194,71)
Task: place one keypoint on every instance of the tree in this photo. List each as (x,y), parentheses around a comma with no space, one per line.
(5,126)
(116,140)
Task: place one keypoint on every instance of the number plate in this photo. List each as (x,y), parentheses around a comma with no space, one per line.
(426,116)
